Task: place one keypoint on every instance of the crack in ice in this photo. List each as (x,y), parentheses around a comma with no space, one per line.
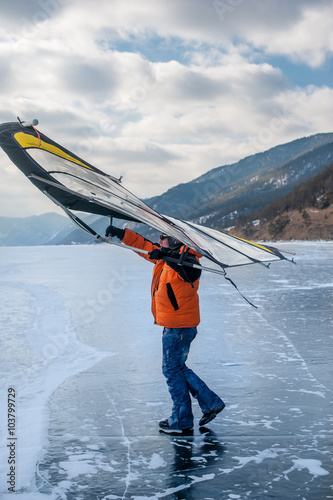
(304,365)
(170,491)
(127,444)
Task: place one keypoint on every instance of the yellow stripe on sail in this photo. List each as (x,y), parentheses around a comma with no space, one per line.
(29,141)
(262,247)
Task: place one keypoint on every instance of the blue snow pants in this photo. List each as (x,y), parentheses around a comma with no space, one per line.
(182,381)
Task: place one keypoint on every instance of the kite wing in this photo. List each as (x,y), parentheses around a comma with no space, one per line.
(74,184)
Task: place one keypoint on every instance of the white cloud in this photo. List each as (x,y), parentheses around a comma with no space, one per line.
(301,29)
(311,109)
(309,40)
(156,122)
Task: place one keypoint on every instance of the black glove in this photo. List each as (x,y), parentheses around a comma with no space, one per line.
(158,253)
(115,231)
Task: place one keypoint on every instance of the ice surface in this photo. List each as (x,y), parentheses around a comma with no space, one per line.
(79,347)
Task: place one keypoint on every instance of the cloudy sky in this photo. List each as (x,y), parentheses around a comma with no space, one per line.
(161,91)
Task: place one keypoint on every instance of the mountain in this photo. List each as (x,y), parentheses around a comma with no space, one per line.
(216,199)
(45,229)
(34,230)
(77,236)
(306,213)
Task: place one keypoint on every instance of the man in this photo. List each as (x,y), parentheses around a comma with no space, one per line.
(175,306)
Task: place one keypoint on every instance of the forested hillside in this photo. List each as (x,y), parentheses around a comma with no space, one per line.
(305,213)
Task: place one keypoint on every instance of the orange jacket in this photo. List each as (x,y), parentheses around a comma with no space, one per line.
(175,302)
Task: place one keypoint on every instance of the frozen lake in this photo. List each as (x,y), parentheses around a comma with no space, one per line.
(81,352)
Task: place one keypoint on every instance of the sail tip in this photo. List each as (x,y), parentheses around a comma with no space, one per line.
(31,123)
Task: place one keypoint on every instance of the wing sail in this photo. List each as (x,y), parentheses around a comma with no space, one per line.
(37,155)
(78,185)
